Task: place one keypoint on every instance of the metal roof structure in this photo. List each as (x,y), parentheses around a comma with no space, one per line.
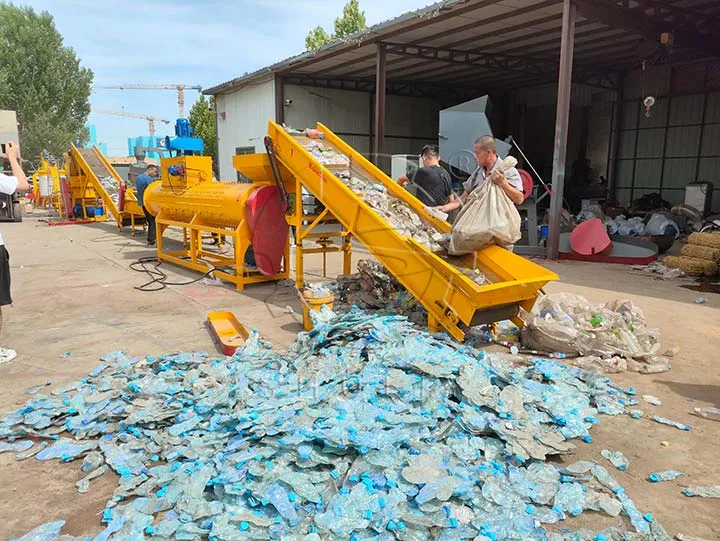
(486,45)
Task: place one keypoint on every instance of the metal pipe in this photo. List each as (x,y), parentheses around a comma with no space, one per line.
(380,80)
(561,126)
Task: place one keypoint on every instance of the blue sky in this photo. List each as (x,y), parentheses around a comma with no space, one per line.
(201,42)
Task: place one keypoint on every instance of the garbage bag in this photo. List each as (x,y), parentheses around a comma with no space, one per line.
(662,225)
(634,227)
(489,216)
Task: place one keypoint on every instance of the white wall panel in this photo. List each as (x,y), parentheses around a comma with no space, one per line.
(246,115)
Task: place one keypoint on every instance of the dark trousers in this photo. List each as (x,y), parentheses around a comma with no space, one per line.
(151,225)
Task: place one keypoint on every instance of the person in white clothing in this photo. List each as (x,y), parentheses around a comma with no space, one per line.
(485,151)
(9,184)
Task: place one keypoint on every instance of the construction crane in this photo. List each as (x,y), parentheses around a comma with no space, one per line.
(180,90)
(150,119)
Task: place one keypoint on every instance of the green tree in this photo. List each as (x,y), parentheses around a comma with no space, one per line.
(203,121)
(43,81)
(317,38)
(351,21)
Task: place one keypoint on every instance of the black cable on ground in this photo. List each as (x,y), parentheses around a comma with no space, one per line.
(157,277)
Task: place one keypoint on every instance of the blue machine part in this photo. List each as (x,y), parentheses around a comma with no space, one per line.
(184,141)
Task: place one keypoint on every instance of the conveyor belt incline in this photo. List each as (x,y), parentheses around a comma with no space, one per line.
(444,287)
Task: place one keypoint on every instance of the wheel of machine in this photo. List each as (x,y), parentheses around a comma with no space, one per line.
(17,211)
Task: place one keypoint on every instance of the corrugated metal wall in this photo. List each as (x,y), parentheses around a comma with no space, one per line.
(679,141)
(589,129)
(242,119)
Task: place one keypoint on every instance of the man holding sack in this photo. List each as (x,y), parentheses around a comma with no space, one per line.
(488,212)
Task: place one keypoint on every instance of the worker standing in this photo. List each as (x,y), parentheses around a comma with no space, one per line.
(485,151)
(9,184)
(434,186)
(141,183)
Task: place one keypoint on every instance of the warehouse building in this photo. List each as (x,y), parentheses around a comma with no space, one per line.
(642,103)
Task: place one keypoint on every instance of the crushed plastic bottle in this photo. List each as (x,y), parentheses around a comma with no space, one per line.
(49,530)
(703,492)
(707,413)
(664,421)
(92,461)
(650,399)
(365,425)
(18,446)
(668,475)
(616,458)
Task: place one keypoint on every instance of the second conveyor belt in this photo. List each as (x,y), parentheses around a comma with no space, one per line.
(444,287)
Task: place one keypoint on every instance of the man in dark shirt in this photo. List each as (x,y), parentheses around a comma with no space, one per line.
(141,184)
(433,182)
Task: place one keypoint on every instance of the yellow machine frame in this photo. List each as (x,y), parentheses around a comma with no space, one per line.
(86,188)
(452,299)
(443,286)
(48,169)
(193,255)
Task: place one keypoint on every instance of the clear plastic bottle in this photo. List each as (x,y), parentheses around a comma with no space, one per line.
(668,475)
(664,421)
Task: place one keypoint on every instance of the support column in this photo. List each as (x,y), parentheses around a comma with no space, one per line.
(615,132)
(561,127)
(380,80)
(279,100)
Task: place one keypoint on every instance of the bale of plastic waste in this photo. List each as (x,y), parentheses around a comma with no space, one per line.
(701,252)
(691,266)
(570,324)
(711,240)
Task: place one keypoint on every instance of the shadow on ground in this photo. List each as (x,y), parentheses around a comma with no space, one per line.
(701,393)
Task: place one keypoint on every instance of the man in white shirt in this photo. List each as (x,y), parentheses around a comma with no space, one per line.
(488,161)
(9,184)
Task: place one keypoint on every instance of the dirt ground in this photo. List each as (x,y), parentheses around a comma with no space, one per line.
(75,300)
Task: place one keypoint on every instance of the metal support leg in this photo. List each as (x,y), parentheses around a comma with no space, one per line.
(561,127)
(299,234)
(347,254)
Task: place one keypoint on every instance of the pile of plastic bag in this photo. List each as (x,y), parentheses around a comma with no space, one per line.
(613,336)
(634,227)
(366,427)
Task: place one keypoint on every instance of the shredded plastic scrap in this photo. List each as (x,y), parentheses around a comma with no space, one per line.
(365,427)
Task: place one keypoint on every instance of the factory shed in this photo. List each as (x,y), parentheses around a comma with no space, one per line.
(382,90)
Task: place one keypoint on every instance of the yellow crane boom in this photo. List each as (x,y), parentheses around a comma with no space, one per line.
(150,119)
(180,90)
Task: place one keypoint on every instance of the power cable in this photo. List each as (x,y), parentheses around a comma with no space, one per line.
(158,279)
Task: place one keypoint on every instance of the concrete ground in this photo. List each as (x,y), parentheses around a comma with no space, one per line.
(75,300)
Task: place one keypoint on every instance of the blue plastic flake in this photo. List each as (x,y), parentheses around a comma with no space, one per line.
(403,421)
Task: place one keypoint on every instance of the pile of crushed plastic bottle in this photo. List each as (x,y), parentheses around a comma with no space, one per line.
(401,217)
(373,288)
(367,427)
